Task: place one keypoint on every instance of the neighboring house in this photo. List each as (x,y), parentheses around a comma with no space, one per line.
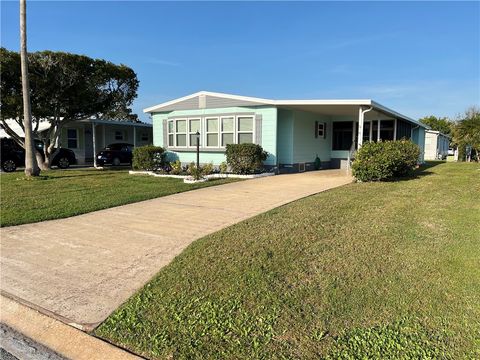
(436,145)
(293,132)
(87,137)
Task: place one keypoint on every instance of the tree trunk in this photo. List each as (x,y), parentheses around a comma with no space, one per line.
(31,165)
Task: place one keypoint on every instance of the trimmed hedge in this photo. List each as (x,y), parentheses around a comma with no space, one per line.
(377,161)
(245,158)
(149,158)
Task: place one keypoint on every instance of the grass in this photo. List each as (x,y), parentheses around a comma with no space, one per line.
(63,193)
(370,270)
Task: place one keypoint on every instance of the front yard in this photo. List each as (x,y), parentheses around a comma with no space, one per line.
(63,193)
(369,270)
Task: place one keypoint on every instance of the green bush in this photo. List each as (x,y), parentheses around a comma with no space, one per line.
(208,169)
(176,167)
(245,158)
(377,161)
(223,167)
(150,158)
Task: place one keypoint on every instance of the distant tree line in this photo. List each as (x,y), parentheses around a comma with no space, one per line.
(463,131)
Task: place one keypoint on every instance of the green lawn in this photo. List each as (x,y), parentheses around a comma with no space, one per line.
(63,193)
(369,270)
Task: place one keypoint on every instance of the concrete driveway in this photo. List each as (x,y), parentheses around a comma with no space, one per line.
(80,269)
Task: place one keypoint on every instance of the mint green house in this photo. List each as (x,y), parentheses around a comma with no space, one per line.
(293,132)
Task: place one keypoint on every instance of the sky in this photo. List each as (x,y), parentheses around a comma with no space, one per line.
(418,58)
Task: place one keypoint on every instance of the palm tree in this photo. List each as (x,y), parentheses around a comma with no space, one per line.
(31,166)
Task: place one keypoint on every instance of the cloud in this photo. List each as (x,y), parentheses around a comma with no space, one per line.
(161,62)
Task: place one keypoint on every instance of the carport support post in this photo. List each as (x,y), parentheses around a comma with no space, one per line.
(134,136)
(361,116)
(378,129)
(94,145)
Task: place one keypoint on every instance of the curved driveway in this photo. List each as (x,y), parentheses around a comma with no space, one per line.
(82,268)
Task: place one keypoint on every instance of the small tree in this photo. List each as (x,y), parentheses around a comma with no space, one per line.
(467,131)
(443,124)
(64,88)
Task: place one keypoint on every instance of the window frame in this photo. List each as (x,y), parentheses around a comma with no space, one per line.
(321,127)
(238,132)
(204,133)
(233,132)
(193,133)
(211,132)
(77,139)
(122,134)
(181,133)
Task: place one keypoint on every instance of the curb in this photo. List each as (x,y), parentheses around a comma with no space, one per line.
(61,339)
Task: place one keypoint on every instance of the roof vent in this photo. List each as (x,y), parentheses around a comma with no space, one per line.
(202,101)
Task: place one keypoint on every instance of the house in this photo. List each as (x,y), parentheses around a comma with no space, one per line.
(293,132)
(436,145)
(86,137)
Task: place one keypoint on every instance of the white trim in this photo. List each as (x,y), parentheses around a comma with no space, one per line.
(207,93)
(227,132)
(212,132)
(237,128)
(262,101)
(193,133)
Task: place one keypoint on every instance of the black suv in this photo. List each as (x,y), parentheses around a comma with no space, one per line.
(115,154)
(13,156)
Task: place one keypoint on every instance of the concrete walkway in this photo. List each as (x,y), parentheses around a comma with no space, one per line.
(82,268)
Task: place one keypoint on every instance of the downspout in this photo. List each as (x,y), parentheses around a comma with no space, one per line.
(360,129)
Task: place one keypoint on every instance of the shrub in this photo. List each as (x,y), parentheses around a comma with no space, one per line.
(176,167)
(376,161)
(245,158)
(196,173)
(223,167)
(150,158)
(208,169)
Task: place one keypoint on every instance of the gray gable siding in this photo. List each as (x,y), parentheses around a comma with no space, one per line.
(219,102)
(189,104)
(208,102)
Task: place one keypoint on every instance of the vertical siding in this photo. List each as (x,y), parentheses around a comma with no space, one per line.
(419,139)
(305,145)
(285,136)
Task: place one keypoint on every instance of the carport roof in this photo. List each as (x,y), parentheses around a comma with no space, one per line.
(321,106)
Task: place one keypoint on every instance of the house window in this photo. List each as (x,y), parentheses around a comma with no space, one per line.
(342,134)
(216,132)
(144,137)
(193,127)
(321,130)
(228,130)
(245,129)
(72,138)
(181,133)
(212,132)
(119,135)
(171,133)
